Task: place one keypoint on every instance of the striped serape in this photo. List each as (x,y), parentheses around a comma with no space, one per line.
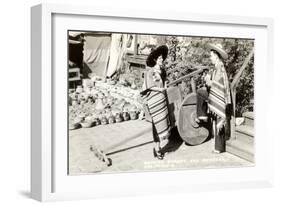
(219,95)
(158,109)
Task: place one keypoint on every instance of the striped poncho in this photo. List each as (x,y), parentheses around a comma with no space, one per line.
(158,109)
(219,95)
(157,103)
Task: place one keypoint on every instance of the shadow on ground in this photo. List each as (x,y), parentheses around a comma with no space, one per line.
(174,143)
(129,148)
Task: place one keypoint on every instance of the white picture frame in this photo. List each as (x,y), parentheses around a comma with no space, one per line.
(49,179)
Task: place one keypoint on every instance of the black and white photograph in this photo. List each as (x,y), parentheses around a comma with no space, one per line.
(156,102)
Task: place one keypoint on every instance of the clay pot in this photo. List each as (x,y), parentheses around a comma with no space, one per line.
(133,115)
(73,126)
(99,104)
(86,124)
(126,116)
(110,100)
(88,119)
(104,100)
(78,120)
(104,121)
(90,100)
(97,122)
(141,115)
(134,86)
(111,120)
(107,110)
(118,118)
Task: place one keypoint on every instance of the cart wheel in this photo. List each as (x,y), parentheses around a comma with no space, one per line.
(193,122)
(190,131)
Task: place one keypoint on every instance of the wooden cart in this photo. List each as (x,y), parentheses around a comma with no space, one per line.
(183,110)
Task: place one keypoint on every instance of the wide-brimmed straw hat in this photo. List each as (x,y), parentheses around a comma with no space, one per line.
(159,51)
(217,48)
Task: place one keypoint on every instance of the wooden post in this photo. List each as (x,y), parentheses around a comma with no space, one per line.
(240,72)
(232,121)
(185,77)
(193,85)
(234,84)
(136,45)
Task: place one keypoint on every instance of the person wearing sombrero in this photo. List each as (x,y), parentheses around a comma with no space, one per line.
(219,98)
(155,96)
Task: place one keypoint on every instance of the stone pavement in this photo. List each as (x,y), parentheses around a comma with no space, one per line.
(129,146)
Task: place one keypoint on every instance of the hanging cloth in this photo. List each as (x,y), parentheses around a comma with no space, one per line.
(96,54)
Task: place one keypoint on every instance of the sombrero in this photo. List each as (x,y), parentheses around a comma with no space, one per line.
(218,48)
(159,51)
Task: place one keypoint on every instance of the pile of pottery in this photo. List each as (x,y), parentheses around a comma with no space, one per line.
(94,105)
(119,91)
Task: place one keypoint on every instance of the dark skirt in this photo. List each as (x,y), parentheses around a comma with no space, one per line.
(220,137)
(220,141)
(202,105)
(155,134)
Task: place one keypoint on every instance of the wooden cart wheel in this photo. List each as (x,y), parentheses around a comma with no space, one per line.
(190,131)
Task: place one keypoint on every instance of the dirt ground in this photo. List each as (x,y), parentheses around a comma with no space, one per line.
(129,146)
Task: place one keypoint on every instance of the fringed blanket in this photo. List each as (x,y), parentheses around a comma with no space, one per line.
(158,109)
(219,95)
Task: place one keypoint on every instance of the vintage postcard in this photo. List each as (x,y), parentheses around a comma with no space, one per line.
(142,102)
